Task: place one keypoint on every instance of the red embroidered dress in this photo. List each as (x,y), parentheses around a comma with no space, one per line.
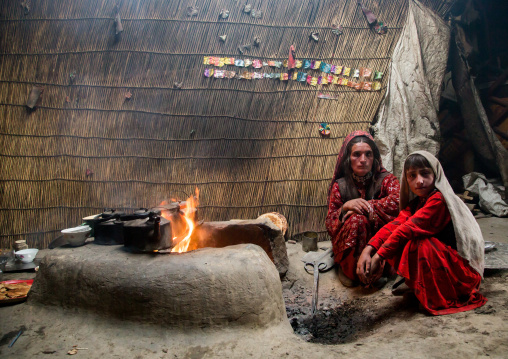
(419,244)
(357,229)
(350,237)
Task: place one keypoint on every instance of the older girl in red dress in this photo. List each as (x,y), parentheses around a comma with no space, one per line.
(362,198)
(434,243)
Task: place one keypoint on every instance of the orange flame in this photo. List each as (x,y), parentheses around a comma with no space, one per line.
(189,213)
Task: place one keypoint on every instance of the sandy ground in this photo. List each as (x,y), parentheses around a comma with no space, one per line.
(356,323)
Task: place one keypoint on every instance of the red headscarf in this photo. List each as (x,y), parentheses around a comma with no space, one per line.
(343,151)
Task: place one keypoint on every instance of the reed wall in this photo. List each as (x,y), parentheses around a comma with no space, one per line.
(250,146)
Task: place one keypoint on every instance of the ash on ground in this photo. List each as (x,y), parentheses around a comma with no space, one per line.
(337,321)
(334,325)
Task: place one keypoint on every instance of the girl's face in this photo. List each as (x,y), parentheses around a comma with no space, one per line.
(361,159)
(420,180)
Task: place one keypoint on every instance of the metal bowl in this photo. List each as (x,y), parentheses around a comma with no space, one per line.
(76,236)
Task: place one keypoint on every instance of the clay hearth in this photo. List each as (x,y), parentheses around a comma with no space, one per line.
(232,286)
(236,284)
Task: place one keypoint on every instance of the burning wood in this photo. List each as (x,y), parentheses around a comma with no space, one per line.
(189,216)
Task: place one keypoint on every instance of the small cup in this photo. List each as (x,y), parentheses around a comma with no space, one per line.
(309,241)
(26,255)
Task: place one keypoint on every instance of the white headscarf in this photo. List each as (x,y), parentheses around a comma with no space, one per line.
(470,244)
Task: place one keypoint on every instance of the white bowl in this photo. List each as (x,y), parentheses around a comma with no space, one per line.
(26,255)
(76,236)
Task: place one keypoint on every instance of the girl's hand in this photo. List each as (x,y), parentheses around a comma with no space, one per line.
(364,264)
(376,267)
(358,205)
(374,276)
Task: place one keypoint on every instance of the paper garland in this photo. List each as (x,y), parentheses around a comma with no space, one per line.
(305,64)
(330,77)
(296,76)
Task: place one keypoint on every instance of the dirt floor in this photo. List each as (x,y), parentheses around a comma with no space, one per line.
(356,323)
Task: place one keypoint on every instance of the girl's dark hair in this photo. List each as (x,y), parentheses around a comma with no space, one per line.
(345,165)
(416,161)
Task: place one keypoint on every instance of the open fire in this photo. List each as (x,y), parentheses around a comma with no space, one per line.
(165,228)
(189,215)
(174,227)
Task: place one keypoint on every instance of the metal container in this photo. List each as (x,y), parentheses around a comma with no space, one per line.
(103,227)
(147,234)
(309,241)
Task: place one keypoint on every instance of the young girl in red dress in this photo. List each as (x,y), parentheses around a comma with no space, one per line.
(434,243)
